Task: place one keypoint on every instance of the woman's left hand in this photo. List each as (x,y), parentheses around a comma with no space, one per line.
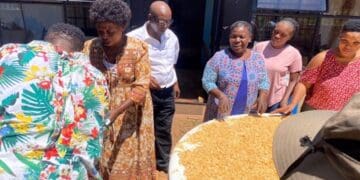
(261,103)
(260,106)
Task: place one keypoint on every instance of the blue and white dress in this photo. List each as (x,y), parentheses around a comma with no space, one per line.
(226,72)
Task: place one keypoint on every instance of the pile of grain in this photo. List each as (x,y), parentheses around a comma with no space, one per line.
(233,149)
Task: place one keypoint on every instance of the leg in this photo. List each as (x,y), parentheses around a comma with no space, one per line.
(164,109)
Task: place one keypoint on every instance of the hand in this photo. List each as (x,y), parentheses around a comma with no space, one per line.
(224,104)
(260,105)
(283,103)
(115,113)
(154,84)
(112,117)
(176,90)
(284,110)
(220,119)
(119,110)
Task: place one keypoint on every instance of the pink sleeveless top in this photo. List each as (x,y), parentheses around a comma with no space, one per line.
(333,83)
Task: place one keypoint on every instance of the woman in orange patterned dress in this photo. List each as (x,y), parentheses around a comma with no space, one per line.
(129,142)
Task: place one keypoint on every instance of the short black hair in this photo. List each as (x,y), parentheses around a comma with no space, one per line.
(116,11)
(351,26)
(67,32)
(242,24)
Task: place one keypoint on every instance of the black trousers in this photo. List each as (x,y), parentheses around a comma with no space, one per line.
(164,109)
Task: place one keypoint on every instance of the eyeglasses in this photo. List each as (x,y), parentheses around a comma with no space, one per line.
(161,21)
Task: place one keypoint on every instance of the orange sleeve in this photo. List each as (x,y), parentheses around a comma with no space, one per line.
(140,86)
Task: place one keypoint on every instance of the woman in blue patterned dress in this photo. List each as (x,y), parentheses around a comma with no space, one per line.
(235,78)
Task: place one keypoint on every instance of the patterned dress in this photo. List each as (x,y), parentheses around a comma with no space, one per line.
(224,71)
(333,83)
(52,113)
(129,142)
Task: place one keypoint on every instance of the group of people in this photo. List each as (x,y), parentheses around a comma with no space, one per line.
(103,108)
(269,78)
(99,109)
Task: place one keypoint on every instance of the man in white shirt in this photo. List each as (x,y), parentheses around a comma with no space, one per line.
(163,54)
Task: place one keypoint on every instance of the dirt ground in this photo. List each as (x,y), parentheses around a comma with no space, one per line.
(187,116)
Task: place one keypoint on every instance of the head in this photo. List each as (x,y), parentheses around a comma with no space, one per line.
(65,37)
(111,18)
(283,32)
(241,34)
(160,17)
(349,39)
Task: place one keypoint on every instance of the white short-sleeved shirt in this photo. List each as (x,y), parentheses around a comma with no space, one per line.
(163,55)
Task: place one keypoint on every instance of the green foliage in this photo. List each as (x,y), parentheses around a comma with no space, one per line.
(93,148)
(10,138)
(10,100)
(90,101)
(12,74)
(27,162)
(99,119)
(6,168)
(37,102)
(25,57)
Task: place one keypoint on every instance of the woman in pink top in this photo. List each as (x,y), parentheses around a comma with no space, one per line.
(332,76)
(283,62)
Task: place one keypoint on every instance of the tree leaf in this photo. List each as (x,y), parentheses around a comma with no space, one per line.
(6,168)
(27,162)
(10,138)
(37,102)
(90,101)
(25,57)
(99,119)
(94,148)
(10,100)
(2,110)
(13,73)
(8,115)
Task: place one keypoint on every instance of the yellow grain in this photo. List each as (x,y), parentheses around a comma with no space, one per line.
(234,149)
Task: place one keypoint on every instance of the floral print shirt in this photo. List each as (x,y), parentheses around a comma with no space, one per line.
(53,109)
(333,84)
(224,71)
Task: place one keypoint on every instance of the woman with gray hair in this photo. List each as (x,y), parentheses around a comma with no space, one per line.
(235,77)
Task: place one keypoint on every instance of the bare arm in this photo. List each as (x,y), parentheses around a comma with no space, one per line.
(209,80)
(119,110)
(294,78)
(262,101)
(224,103)
(302,88)
(139,88)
